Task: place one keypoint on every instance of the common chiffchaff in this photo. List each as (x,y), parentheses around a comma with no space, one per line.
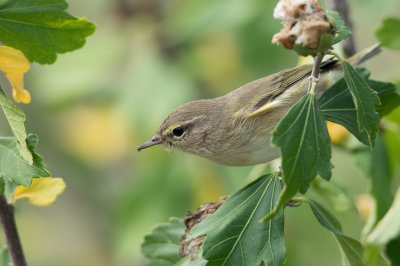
(235,129)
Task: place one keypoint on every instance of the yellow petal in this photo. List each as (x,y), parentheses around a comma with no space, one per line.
(42,192)
(337,133)
(14,64)
(365,204)
(304,60)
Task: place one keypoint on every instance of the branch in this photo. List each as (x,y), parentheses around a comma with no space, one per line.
(10,230)
(342,7)
(315,72)
(317,64)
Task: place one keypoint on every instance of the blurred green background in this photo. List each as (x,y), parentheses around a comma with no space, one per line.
(95,106)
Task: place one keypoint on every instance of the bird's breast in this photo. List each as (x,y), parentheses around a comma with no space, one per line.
(248,144)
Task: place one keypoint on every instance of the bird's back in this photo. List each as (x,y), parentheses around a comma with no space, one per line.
(257,107)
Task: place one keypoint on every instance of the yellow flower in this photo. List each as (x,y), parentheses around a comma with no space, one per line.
(304,60)
(337,133)
(42,192)
(14,64)
(365,204)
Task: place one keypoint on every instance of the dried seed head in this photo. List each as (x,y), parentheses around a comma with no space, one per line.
(304,24)
(293,9)
(190,248)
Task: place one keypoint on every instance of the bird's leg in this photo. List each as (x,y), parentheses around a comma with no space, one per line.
(315,72)
(290,203)
(295,202)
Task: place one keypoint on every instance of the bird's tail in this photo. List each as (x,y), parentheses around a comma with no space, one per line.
(365,55)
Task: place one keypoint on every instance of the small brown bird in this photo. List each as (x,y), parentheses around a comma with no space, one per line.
(235,129)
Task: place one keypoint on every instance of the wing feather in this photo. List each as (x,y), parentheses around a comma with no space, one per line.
(280,82)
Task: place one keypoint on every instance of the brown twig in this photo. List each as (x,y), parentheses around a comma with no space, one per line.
(7,220)
(315,72)
(317,63)
(342,7)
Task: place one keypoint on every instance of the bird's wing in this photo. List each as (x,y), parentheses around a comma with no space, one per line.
(279,82)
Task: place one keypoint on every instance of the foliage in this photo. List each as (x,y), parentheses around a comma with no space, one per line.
(94,106)
(16,119)
(162,244)
(389,33)
(305,147)
(388,227)
(4,256)
(378,170)
(352,249)
(342,31)
(365,100)
(392,251)
(234,235)
(41,29)
(337,106)
(14,168)
(234,232)
(34,30)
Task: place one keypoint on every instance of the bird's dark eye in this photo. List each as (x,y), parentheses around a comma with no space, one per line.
(178,131)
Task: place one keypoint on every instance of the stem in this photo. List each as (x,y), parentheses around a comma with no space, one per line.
(336,55)
(315,72)
(299,200)
(10,230)
(317,64)
(342,7)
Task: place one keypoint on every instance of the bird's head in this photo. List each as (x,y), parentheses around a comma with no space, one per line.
(187,128)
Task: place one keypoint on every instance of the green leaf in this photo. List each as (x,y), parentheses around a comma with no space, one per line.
(337,104)
(375,165)
(234,233)
(365,99)
(9,189)
(392,251)
(394,116)
(161,246)
(343,32)
(303,137)
(373,256)
(389,33)
(186,261)
(335,194)
(388,227)
(32,141)
(14,168)
(380,177)
(386,232)
(352,249)
(16,119)
(42,28)
(4,256)
(388,94)
(392,140)
(324,217)
(325,43)
(2,186)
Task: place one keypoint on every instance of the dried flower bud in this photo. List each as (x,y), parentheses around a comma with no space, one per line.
(305,25)
(293,9)
(190,248)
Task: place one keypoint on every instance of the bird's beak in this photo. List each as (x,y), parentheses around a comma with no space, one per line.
(152,142)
